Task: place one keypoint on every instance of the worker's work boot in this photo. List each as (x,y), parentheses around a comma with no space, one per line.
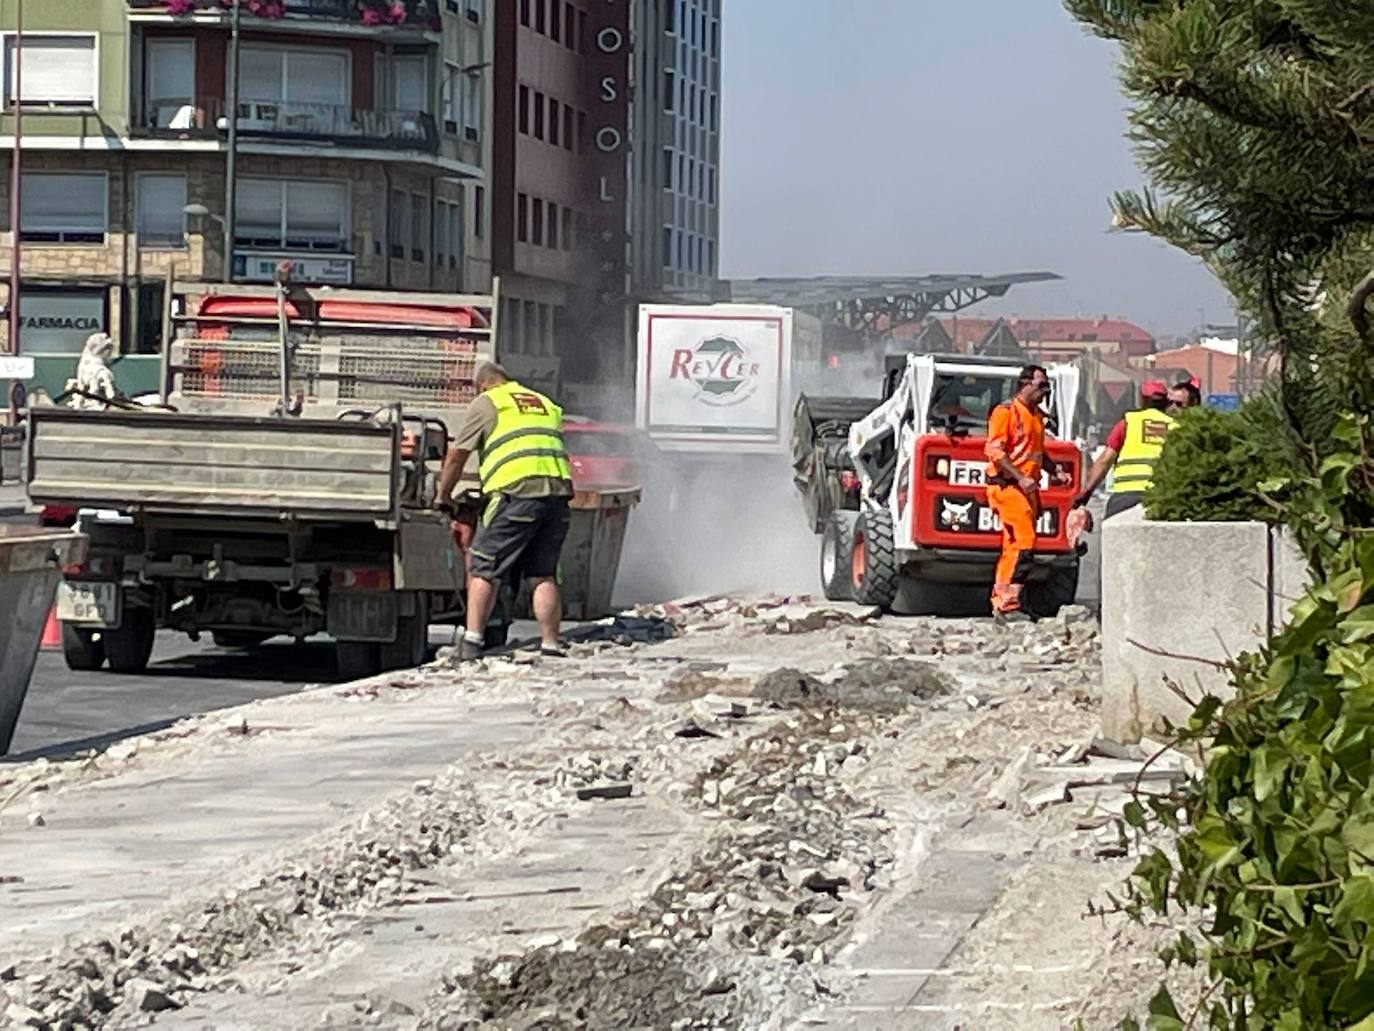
(553,651)
(467,650)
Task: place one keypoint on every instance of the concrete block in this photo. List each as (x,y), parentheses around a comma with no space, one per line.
(1194,591)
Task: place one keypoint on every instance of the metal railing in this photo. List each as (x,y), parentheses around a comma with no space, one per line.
(183,118)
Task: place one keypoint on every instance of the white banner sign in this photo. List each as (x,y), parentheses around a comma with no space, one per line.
(16,366)
(715,375)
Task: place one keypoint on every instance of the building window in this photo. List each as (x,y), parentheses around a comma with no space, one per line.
(711,182)
(569,25)
(581,30)
(538,115)
(442,243)
(522,218)
(397,223)
(58,70)
(567,127)
(453,97)
(567,228)
(553,226)
(417,227)
(540,22)
(537,222)
(670,16)
(715,39)
(455,234)
(479,207)
(712,105)
(315,81)
(581,130)
(555,7)
(710,257)
(474,10)
(160,201)
(471,87)
(525,13)
(553,121)
(667,168)
(523,115)
(289,214)
(681,249)
(667,247)
(62,207)
(669,89)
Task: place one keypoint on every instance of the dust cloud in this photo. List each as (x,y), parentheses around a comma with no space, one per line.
(712,525)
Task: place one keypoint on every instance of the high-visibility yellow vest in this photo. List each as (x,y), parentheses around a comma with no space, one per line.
(527,440)
(1135,466)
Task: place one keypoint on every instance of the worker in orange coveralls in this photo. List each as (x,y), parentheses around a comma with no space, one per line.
(1016,453)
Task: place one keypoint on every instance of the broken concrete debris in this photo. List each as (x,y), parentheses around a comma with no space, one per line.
(779,736)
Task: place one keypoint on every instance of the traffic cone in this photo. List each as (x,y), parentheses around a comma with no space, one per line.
(52,632)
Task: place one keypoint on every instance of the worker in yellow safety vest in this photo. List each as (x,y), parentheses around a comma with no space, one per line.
(517,434)
(1132,449)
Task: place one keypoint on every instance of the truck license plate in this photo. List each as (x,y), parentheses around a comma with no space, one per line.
(363,615)
(94,603)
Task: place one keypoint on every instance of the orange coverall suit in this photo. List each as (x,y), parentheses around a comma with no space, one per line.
(1016,433)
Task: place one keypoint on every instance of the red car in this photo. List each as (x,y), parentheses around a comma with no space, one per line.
(605,454)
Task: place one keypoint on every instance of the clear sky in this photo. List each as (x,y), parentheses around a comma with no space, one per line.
(926,136)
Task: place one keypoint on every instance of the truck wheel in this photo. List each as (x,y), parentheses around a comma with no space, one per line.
(357,660)
(874,572)
(130,645)
(411,647)
(837,556)
(1045,598)
(82,649)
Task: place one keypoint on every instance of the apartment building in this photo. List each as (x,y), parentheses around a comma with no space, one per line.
(605,179)
(363,136)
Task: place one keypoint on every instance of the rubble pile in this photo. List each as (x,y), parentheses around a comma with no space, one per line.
(778,885)
(151,966)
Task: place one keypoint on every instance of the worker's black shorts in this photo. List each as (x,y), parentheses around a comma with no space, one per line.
(521,537)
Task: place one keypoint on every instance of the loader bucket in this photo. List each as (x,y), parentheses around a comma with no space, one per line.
(31,563)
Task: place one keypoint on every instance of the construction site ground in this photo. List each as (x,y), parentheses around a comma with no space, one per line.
(721,813)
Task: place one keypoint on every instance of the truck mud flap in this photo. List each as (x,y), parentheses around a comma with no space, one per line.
(363,615)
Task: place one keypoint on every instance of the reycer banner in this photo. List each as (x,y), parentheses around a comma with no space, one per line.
(710,374)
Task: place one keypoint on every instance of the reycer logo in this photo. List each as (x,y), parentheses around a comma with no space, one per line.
(720,368)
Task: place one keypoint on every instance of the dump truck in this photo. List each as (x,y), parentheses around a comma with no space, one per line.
(902,507)
(286,484)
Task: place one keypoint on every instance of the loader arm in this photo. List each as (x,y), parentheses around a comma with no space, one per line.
(873,463)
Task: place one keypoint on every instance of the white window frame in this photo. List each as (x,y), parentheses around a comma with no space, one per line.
(7,50)
(180,244)
(452,113)
(345,221)
(72,229)
(164,42)
(470,106)
(426,83)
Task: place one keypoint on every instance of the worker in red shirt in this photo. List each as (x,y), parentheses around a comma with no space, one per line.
(1132,447)
(1016,455)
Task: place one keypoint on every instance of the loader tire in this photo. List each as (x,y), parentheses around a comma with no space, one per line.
(874,572)
(130,645)
(1045,598)
(83,649)
(837,556)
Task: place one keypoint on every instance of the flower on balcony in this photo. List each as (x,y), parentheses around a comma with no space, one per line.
(393,12)
(177,8)
(258,8)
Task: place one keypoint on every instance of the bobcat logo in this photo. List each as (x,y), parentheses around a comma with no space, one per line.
(956,517)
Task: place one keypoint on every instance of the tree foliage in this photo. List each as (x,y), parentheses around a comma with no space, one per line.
(1254,122)
(1215,462)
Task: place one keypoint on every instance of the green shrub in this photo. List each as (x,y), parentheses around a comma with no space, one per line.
(1214,462)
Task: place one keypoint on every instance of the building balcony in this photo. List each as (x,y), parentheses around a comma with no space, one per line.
(332,125)
(423,15)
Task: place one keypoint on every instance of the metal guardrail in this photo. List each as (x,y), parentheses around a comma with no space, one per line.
(181,118)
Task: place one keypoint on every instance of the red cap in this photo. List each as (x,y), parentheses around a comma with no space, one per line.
(1197,383)
(1154,388)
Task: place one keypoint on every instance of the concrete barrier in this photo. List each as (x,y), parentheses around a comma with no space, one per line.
(1176,593)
